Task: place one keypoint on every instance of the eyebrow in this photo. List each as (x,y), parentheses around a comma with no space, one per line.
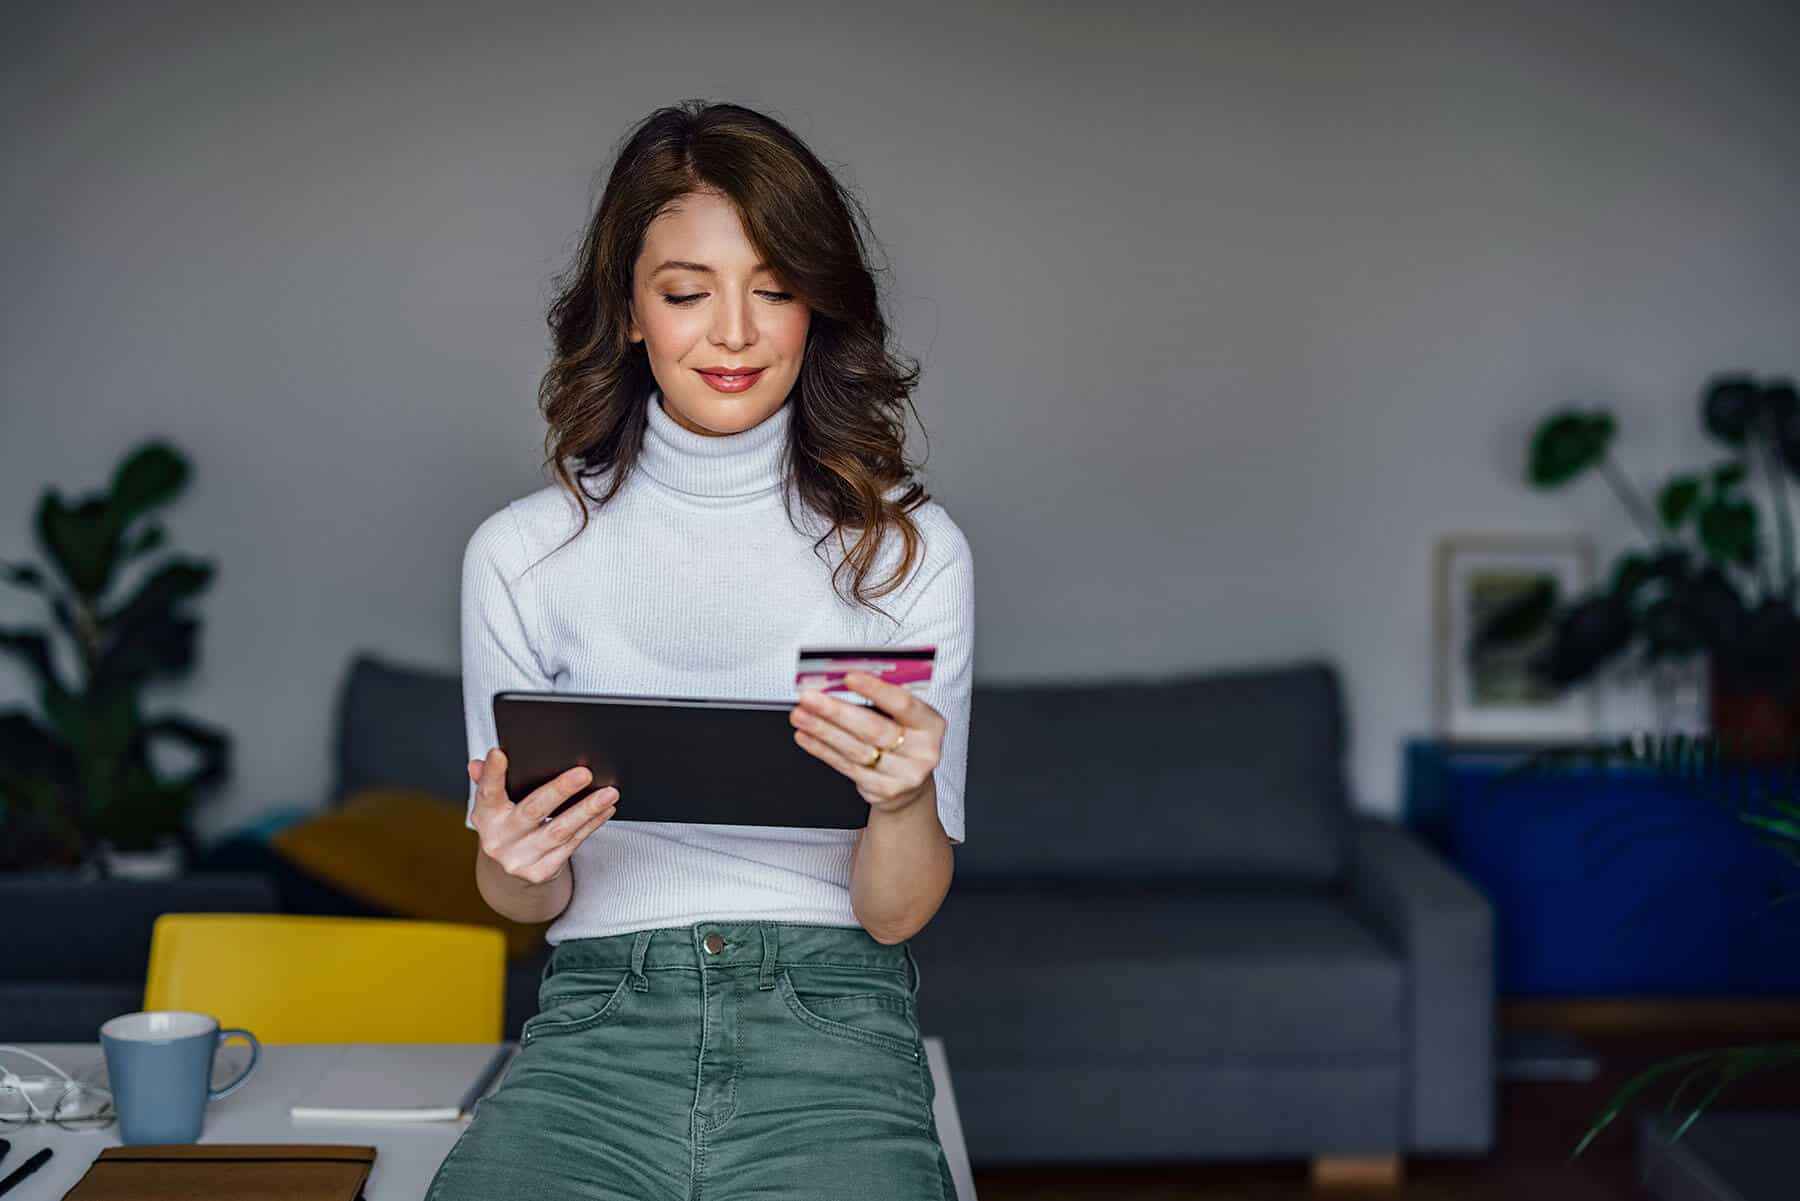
(684,265)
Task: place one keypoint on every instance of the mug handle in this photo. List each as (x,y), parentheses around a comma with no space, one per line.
(214,1094)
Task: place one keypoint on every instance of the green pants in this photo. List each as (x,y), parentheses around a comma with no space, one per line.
(712,1062)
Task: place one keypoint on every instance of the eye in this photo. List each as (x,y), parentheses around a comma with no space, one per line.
(679,301)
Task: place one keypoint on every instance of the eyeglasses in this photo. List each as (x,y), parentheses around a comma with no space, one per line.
(70,1103)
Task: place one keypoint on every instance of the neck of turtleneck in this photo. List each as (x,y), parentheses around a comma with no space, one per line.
(715,469)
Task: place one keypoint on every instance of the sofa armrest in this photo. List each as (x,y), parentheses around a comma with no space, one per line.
(1443,927)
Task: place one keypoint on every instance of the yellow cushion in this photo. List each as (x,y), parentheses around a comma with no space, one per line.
(406,851)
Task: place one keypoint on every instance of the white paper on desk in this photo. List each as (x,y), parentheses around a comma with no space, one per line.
(405,1082)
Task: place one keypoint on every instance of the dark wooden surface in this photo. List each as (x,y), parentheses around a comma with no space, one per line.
(1538,1123)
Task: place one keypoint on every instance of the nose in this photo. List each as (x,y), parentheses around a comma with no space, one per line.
(734,327)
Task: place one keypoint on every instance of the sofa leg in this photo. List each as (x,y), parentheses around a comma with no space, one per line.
(1357,1171)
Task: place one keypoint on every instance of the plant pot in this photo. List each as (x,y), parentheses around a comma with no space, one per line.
(164,861)
(1759,716)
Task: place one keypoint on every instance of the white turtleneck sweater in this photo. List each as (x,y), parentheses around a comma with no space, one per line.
(693,582)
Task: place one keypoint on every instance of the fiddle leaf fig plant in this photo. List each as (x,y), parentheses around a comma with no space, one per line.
(79,771)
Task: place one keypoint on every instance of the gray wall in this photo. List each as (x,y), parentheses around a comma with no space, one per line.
(1226,311)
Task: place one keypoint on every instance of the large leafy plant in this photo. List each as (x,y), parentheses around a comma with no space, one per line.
(80,770)
(1704,582)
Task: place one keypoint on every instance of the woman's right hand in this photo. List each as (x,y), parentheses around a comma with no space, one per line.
(516,836)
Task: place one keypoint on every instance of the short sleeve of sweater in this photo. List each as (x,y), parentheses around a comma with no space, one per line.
(498,618)
(942,614)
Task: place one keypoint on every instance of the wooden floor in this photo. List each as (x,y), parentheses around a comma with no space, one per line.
(1538,1126)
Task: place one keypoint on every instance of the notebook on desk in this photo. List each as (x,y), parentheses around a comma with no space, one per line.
(380,1082)
(241,1171)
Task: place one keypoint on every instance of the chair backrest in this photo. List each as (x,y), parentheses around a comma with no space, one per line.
(313,979)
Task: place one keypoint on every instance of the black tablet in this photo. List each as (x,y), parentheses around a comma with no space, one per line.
(675,759)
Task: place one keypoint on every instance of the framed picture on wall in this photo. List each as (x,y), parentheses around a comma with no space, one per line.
(1492,597)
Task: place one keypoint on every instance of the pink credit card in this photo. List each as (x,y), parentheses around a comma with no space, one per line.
(822,669)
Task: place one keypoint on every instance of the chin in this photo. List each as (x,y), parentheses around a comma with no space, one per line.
(723,413)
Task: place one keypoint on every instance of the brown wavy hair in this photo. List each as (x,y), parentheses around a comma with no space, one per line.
(845,451)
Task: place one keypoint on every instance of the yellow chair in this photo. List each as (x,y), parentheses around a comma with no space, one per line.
(315,979)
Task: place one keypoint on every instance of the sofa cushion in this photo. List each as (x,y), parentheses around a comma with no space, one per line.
(400,727)
(1039,1114)
(1152,976)
(406,852)
(1222,776)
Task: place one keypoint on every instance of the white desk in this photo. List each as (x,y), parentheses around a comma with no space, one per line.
(407,1153)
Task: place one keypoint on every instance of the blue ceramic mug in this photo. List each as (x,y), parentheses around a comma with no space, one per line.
(159,1066)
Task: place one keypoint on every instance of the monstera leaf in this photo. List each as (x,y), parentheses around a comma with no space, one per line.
(1591,632)
(1677,499)
(1728,530)
(1567,444)
(1729,406)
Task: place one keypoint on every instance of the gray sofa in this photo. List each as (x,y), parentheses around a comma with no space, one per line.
(1168,937)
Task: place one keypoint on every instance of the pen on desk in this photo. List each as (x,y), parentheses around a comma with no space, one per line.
(25,1169)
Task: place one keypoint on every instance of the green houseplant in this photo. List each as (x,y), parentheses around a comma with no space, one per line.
(77,778)
(1704,583)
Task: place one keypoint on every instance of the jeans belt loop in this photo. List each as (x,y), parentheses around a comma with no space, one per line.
(771,942)
(639,947)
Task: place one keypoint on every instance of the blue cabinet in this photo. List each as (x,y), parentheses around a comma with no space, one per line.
(1608,881)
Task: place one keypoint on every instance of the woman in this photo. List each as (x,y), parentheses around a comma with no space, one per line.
(728,1011)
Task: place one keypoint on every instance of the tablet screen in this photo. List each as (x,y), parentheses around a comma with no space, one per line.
(676,759)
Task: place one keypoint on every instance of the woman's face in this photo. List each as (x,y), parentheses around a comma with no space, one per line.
(713,308)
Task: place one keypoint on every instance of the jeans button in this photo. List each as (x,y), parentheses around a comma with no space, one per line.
(714,944)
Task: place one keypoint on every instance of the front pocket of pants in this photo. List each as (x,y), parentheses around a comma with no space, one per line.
(575,1013)
(875,1019)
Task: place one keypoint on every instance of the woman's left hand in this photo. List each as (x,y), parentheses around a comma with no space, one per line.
(908,732)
